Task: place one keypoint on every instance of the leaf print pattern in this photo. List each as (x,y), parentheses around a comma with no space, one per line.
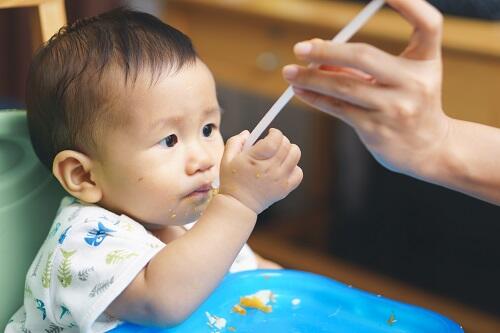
(64,270)
(117,256)
(47,271)
(101,286)
(27,290)
(83,275)
(35,269)
(126,226)
(54,329)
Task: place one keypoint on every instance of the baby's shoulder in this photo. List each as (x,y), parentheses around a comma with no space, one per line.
(90,223)
(72,211)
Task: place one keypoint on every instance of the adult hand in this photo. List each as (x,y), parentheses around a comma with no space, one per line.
(392,102)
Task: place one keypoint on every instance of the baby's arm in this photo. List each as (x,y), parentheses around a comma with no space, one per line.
(186,271)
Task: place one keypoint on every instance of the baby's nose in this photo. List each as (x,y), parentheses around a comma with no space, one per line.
(199,160)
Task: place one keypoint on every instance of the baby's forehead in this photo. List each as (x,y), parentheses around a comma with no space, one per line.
(187,92)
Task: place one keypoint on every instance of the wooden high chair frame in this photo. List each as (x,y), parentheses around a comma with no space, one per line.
(52,13)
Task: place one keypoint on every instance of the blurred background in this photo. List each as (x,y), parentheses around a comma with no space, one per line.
(350,219)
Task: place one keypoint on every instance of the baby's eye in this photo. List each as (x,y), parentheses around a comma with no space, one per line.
(169,141)
(207,129)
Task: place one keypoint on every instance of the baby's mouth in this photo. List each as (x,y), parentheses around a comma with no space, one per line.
(201,191)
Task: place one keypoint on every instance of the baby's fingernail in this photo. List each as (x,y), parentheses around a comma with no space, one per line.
(290,72)
(302,48)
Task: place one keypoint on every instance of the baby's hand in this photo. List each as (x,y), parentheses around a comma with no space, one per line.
(264,174)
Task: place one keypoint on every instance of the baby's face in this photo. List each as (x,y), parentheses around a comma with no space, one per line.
(159,167)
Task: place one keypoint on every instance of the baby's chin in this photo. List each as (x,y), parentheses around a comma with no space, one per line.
(185,214)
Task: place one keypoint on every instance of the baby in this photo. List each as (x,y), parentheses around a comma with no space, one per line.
(125,114)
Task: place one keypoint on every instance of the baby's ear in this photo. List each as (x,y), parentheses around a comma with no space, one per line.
(74,171)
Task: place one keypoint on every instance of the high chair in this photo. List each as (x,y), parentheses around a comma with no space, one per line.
(29,194)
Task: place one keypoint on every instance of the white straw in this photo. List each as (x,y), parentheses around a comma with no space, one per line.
(343,36)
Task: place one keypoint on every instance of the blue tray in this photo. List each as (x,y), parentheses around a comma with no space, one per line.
(325,306)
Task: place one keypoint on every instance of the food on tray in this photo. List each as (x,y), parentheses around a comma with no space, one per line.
(239,309)
(259,301)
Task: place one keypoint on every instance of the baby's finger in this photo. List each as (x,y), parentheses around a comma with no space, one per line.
(234,145)
(292,159)
(295,178)
(283,150)
(268,146)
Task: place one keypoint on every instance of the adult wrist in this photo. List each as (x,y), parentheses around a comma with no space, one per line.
(444,163)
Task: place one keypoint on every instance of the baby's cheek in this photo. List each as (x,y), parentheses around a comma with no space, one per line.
(219,153)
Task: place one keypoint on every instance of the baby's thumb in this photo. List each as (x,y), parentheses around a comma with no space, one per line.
(234,145)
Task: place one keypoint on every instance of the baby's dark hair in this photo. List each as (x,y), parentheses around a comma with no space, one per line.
(69,92)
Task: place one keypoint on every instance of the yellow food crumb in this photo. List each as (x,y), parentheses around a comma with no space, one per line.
(173,216)
(257,175)
(392,319)
(255,303)
(231,328)
(238,309)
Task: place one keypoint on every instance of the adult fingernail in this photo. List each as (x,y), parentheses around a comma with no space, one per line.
(298,91)
(302,48)
(290,72)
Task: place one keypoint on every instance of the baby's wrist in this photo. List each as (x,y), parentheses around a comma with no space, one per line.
(235,203)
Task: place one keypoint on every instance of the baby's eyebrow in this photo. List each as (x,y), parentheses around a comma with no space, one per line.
(162,122)
(216,109)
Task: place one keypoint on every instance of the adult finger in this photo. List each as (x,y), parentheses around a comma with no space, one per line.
(340,85)
(427,22)
(363,57)
(345,111)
